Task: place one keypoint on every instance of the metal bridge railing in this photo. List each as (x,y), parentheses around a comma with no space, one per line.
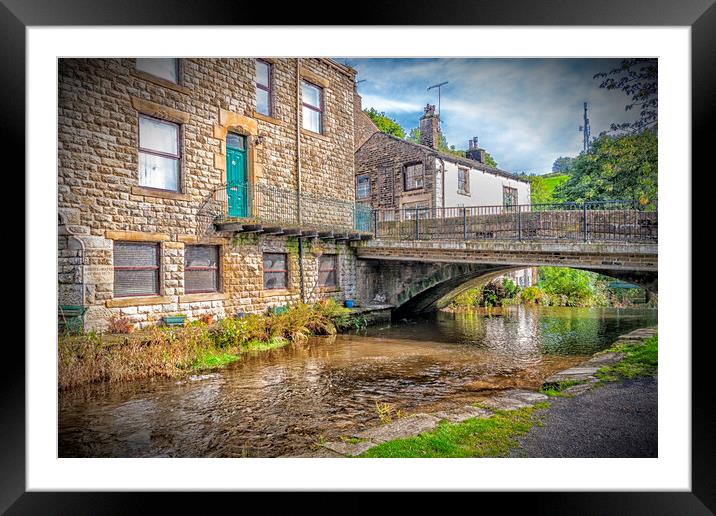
(269,204)
(589,221)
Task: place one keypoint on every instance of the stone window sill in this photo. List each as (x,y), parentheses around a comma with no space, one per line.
(311,134)
(278,292)
(123,302)
(467,194)
(161,82)
(136,236)
(266,118)
(205,296)
(162,194)
(328,290)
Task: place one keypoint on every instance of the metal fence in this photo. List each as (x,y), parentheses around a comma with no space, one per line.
(269,204)
(588,221)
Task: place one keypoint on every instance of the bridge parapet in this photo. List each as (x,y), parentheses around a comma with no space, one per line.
(618,221)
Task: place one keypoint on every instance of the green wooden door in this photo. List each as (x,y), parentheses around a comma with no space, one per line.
(236,176)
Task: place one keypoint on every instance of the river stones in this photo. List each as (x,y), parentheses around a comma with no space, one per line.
(400,428)
(602,359)
(582,372)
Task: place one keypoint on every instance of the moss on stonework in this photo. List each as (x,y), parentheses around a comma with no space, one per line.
(292,246)
(244,239)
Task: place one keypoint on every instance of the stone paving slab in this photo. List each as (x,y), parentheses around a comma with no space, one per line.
(573,373)
(349,449)
(603,359)
(513,399)
(580,388)
(460,414)
(323,453)
(400,428)
(640,334)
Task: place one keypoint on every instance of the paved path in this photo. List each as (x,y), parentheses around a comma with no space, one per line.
(617,419)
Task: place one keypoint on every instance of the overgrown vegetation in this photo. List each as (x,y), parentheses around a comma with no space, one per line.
(557,389)
(639,360)
(556,286)
(171,351)
(490,437)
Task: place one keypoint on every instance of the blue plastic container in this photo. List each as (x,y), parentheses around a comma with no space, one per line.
(348,303)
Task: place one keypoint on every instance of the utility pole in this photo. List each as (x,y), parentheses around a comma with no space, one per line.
(438,86)
(585,129)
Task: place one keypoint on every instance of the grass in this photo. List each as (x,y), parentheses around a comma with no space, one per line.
(639,360)
(557,389)
(173,351)
(491,437)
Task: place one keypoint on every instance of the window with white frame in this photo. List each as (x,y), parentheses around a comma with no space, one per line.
(312,100)
(167,69)
(159,154)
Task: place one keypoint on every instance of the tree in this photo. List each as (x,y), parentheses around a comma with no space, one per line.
(638,78)
(385,124)
(616,167)
(539,191)
(575,286)
(562,164)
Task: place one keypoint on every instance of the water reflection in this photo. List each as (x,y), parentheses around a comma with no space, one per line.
(282,401)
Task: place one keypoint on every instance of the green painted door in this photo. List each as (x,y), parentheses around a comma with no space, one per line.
(236,176)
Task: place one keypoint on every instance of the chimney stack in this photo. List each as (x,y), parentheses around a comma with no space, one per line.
(430,128)
(474,152)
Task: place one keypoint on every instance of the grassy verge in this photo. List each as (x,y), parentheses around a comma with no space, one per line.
(491,437)
(557,389)
(639,360)
(173,351)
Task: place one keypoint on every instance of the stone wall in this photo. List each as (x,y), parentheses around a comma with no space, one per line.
(383,158)
(100,200)
(364,126)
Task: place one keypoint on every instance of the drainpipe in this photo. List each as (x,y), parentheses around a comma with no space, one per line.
(442,168)
(298,177)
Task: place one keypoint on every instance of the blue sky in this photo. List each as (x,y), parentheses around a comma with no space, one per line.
(525,112)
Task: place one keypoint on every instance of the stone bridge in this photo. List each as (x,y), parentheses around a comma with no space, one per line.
(419,276)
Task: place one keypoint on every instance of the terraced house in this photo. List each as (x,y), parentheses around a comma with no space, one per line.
(204,186)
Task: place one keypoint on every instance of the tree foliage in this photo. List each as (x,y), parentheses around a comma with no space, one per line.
(384,123)
(638,78)
(539,191)
(562,164)
(572,286)
(616,167)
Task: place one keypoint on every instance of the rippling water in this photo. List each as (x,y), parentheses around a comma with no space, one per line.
(285,400)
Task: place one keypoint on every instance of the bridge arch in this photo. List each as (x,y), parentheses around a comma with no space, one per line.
(419,287)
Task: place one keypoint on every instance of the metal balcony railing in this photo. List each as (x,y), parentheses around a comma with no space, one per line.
(267,204)
(589,221)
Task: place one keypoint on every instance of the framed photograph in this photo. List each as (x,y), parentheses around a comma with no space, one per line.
(206,199)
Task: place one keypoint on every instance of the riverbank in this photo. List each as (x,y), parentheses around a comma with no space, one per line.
(498,425)
(170,351)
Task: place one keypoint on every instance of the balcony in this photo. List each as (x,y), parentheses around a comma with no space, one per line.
(265,209)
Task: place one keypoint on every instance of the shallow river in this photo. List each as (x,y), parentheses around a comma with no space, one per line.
(284,401)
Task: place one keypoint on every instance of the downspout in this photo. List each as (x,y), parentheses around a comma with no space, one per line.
(442,190)
(298,177)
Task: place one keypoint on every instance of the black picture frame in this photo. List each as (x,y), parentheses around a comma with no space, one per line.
(700,15)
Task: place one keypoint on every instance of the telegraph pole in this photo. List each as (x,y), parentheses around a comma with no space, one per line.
(438,86)
(585,129)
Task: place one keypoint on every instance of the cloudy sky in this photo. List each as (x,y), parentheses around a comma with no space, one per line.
(525,112)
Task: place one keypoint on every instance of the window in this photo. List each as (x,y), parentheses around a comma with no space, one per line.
(263,87)
(410,209)
(363,186)
(275,271)
(201,269)
(159,160)
(136,269)
(327,270)
(312,97)
(413,176)
(463,180)
(167,69)
(509,196)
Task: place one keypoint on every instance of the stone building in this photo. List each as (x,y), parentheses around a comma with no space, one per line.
(396,176)
(191,186)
